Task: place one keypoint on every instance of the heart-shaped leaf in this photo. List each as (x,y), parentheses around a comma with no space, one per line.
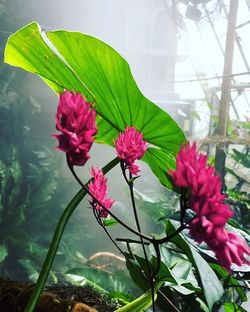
(81,63)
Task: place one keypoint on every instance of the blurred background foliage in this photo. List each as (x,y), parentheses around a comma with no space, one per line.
(29,174)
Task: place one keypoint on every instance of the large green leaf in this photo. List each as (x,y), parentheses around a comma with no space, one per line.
(74,61)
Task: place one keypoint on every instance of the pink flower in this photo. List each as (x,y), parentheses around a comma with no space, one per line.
(76,122)
(130,146)
(231,251)
(193,174)
(200,229)
(98,188)
(212,208)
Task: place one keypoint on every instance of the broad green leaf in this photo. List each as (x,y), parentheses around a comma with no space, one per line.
(211,285)
(29,267)
(94,277)
(241,158)
(157,160)
(135,271)
(74,61)
(179,270)
(233,307)
(81,281)
(118,280)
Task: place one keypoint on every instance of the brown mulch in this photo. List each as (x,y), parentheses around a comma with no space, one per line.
(57,298)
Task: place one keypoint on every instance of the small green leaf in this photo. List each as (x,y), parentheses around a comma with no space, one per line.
(3,252)
(31,270)
(123,298)
(203,306)
(209,105)
(109,222)
(196,115)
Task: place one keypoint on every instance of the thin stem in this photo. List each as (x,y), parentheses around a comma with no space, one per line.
(108,210)
(227,280)
(239,286)
(169,301)
(182,206)
(158,257)
(131,189)
(133,241)
(113,241)
(130,250)
(55,242)
(106,231)
(169,237)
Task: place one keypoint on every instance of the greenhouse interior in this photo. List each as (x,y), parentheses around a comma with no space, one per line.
(125,156)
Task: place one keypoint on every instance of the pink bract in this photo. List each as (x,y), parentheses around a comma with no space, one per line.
(77,123)
(232,251)
(98,188)
(130,146)
(200,180)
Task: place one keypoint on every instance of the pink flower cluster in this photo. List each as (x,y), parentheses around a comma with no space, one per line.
(76,122)
(206,200)
(129,147)
(98,188)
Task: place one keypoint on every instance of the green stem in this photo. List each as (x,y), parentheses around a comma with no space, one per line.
(131,188)
(141,303)
(56,240)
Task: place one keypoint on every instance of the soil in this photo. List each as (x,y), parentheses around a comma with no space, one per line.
(56,298)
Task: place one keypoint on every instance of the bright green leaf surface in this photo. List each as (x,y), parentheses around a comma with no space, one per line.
(233,307)
(74,61)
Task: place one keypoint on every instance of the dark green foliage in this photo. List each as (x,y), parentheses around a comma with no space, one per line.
(28,171)
(238,199)
(28,182)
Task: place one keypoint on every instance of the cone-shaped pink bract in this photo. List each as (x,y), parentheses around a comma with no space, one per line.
(193,174)
(77,123)
(130,146)
(98,188)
